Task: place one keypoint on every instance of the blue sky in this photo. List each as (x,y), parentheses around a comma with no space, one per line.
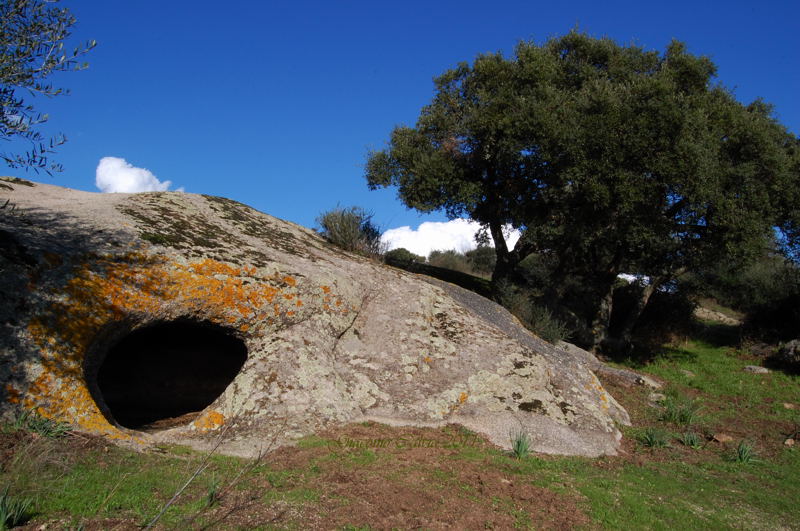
(275,104)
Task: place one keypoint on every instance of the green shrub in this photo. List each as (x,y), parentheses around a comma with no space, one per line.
(482,259)
(775,321)
(352,230)
(450,260)
(402,257)
(14,511)
(535,317)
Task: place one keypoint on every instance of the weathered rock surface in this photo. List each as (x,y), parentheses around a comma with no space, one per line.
(330,338)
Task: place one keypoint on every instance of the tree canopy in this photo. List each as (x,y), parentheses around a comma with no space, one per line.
(609,158)
(33,34)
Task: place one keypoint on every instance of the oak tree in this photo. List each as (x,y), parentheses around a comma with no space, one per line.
(609,159)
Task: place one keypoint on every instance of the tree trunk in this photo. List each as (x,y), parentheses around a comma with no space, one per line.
(602,318)
(505,264)
(626,332)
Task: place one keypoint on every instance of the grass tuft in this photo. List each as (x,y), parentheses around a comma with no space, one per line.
(680,410)
(213,494)
(655,438)
(14,511)
(744,453)
(691,439)
(520,444)
(32,421)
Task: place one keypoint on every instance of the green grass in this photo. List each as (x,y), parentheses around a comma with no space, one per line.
(718,374)
(32,421)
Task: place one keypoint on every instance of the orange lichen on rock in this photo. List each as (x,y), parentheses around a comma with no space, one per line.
(12,394)
(462,398)
(210,420)
(108,290)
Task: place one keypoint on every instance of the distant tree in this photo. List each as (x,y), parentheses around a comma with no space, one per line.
(351,229)
(402,257)
(609,158)
(482,259)
(449,259)
(33,34)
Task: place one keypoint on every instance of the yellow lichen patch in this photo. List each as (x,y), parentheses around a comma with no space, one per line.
(290,281)
(462,398)
(427,359)
(325,289)
(108,290)
(210,420)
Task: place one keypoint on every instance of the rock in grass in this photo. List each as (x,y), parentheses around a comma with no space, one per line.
(755,369)
(722,438)
(656,398)
(175,317)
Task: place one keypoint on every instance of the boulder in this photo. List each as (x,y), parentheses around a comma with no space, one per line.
(788,356)
(192,319)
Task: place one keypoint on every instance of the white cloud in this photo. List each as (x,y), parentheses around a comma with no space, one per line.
(457,234)
(117,175)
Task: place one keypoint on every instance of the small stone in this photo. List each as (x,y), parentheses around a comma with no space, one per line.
(788,442)
(656,397)
(648,382)
(722,438)
(787,405)
(688,374)
(755,369)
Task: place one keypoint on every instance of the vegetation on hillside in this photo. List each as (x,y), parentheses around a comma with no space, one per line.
(351,229)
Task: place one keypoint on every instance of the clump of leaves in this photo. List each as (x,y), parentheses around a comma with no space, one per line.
(32,421)
(680,410)
(520,444)
(655,438)
(691,439)
(744,452)
(14,511)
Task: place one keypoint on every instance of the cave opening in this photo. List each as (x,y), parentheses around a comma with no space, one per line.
(164,375)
